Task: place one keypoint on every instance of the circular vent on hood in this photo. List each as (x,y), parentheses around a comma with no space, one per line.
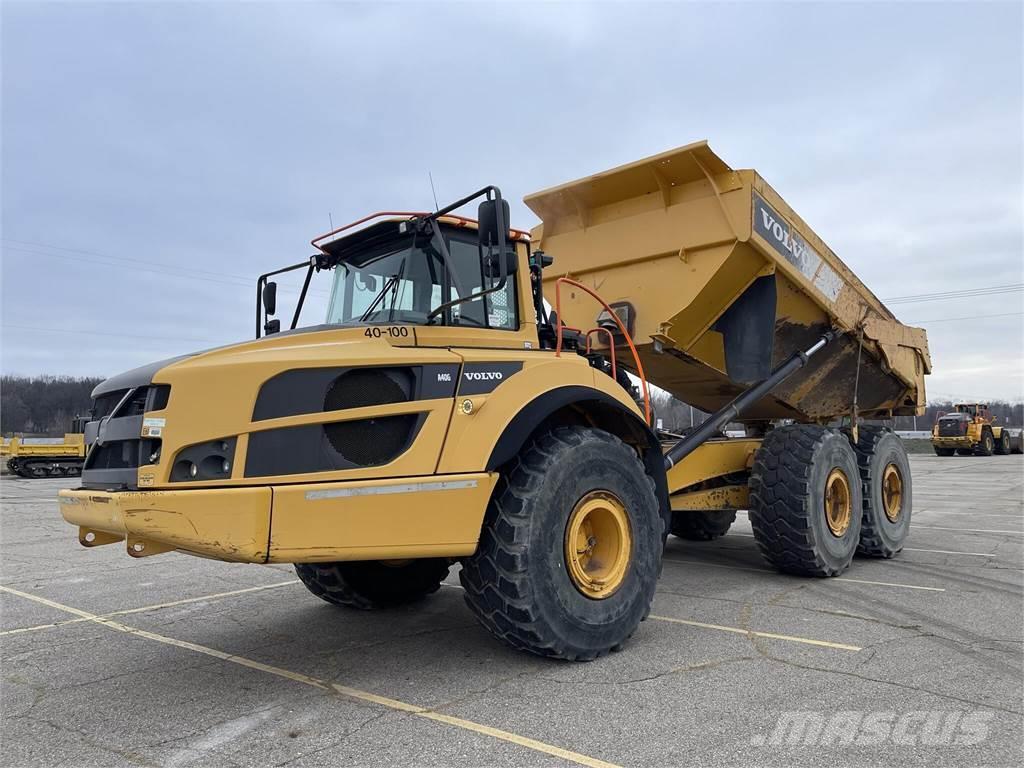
(364,387)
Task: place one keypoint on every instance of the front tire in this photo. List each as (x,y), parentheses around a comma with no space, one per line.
(987,444)
(702,526)
(944,451)
(887,492)
(373,584)
(570,550)
(805,500)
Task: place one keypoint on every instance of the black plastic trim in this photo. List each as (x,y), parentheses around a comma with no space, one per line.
(126,428)
(299,391)
(199,454)
(481,378)
(306,448)
(612,415)
(112,479)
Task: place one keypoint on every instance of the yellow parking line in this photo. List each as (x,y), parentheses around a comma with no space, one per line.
(754,633)
(154,607)
(354,693)
(767,572)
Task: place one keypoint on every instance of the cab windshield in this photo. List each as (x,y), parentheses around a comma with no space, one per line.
(406,280)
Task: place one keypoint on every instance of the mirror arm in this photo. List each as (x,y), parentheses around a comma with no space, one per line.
(259,304)
(260,282)
(302,295)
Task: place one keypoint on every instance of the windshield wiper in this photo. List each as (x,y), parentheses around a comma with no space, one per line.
(391,281)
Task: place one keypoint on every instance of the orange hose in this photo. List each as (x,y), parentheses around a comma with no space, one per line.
(618,322)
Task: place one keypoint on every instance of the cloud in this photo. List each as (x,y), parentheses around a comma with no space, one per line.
(218,138)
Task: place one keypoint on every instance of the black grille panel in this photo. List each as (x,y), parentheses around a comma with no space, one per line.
(136,404)
(151,398)
(311,390)
(363,387)
(123,454)
(159,395)
(952,428)
(104,405)
(334,446)
(369,442)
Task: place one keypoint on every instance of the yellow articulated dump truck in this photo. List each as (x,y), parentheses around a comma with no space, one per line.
(467,400)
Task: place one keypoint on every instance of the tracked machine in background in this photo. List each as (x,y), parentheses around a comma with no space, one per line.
(34,458)
(971,429)
(441,413)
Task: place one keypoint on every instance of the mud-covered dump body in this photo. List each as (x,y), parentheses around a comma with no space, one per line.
(720,281)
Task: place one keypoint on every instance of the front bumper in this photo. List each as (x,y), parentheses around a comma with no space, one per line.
(223,523)
(952,442)
(432,516)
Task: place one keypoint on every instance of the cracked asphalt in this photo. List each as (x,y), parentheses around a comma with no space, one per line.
(235,665)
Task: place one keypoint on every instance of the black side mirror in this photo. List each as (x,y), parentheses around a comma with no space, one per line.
(493,217)
(270,298)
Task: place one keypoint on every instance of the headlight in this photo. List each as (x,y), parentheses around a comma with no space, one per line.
(211,460)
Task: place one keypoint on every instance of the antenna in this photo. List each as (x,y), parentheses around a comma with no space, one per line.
(330,219)
(433,191)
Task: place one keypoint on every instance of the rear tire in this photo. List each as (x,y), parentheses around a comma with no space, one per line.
(886,489)
(524,585)
(796,529)
(702,526)
(944,451)
(1003,443)
(987,444)
(373,584)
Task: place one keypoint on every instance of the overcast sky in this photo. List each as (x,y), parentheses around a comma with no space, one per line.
(158,157)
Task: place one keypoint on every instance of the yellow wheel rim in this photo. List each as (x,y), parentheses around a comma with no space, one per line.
(598,544)
(892,492)
(838,506)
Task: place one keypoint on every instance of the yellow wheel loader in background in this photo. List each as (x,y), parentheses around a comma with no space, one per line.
(443,413)
(972,430)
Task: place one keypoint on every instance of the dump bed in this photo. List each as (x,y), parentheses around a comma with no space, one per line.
(719,281)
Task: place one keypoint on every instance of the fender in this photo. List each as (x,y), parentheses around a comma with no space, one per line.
(605,411)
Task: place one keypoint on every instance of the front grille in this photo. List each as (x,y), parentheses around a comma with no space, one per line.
(136,404)
(123,454)
(104,405)
(952,428)
(150,398)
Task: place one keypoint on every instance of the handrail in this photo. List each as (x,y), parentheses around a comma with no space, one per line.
(618,322)
(460,221)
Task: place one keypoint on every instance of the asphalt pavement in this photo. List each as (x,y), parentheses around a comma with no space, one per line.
(178,661)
